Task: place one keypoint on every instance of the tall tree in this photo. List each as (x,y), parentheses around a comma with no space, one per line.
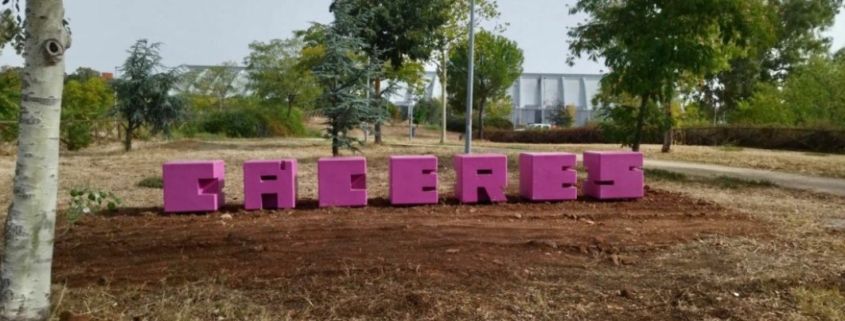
(143,92)
(451,34)
(83,74)
(396,31)
(279,76)
(343,73)
(85,105)
(10,100)
(498,64)
(649,60)
(795,35)
(25,277)
(10,30)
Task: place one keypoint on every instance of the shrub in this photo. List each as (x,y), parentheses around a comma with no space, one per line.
(152,182)
(237,123)
(249,122)
(564,115)
(618,124)
(457,124)
(497,124)
(799,139)
(85,201)
(427,111)
(583,135)
(76,135)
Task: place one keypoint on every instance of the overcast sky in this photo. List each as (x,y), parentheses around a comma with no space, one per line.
(214,31)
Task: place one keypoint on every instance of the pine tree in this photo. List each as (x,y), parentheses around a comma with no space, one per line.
(343,73)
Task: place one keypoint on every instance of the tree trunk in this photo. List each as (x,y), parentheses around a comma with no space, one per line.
(335,142)
(290,104)
(668,134)
(443,84)
(480,119)
(26,270)
(638,133)
(377,128)
(127,140)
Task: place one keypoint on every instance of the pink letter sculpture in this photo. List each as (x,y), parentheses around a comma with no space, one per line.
(270,184)
(342,181)
(481,178)
(614,175)
(192,187)
(547,177)
(413,180)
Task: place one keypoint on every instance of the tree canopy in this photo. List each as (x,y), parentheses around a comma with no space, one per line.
(794,35)
(279,75)
(143,92)
(498,64)
(85,103)
(343,74)
(651,46)
(399,30)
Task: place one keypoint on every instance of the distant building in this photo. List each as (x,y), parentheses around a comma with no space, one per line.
(535,96)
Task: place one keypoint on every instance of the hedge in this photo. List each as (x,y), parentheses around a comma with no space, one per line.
(797,139)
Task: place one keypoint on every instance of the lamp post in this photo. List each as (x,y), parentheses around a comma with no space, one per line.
(470,79)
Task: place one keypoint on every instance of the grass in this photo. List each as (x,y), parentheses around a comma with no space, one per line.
(820,304)
(738,183)
(731,148)
(151,182)
(665,175)
(723,182)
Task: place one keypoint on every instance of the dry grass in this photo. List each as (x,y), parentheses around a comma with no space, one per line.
(798,273)
(813,164)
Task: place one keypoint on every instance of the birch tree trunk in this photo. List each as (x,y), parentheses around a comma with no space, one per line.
(443,83)
(25,274)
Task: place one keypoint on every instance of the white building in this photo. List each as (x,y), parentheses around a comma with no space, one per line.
(534,95)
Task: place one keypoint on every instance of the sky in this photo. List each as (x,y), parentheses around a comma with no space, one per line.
(206,32)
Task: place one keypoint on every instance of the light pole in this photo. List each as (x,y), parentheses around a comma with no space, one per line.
(470,79)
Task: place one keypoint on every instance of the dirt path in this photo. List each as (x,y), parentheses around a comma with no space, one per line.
(445,241)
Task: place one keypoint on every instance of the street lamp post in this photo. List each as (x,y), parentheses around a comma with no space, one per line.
(470,79)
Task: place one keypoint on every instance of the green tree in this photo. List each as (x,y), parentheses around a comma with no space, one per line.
(810,97)
(451,34)
(10,31)
(649,60)
(795,33)
(84,107)
(814,93)
(564,115)
(143,93)
(343,76)
(396,31)
(10,99)
(82,74)
(498,64)
(279,76)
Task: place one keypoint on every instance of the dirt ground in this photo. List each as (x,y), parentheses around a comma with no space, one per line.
(691,250)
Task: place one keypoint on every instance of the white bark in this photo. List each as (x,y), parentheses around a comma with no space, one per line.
(443,83)
(25,276)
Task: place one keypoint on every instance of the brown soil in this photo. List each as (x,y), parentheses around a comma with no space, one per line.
(439,243)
